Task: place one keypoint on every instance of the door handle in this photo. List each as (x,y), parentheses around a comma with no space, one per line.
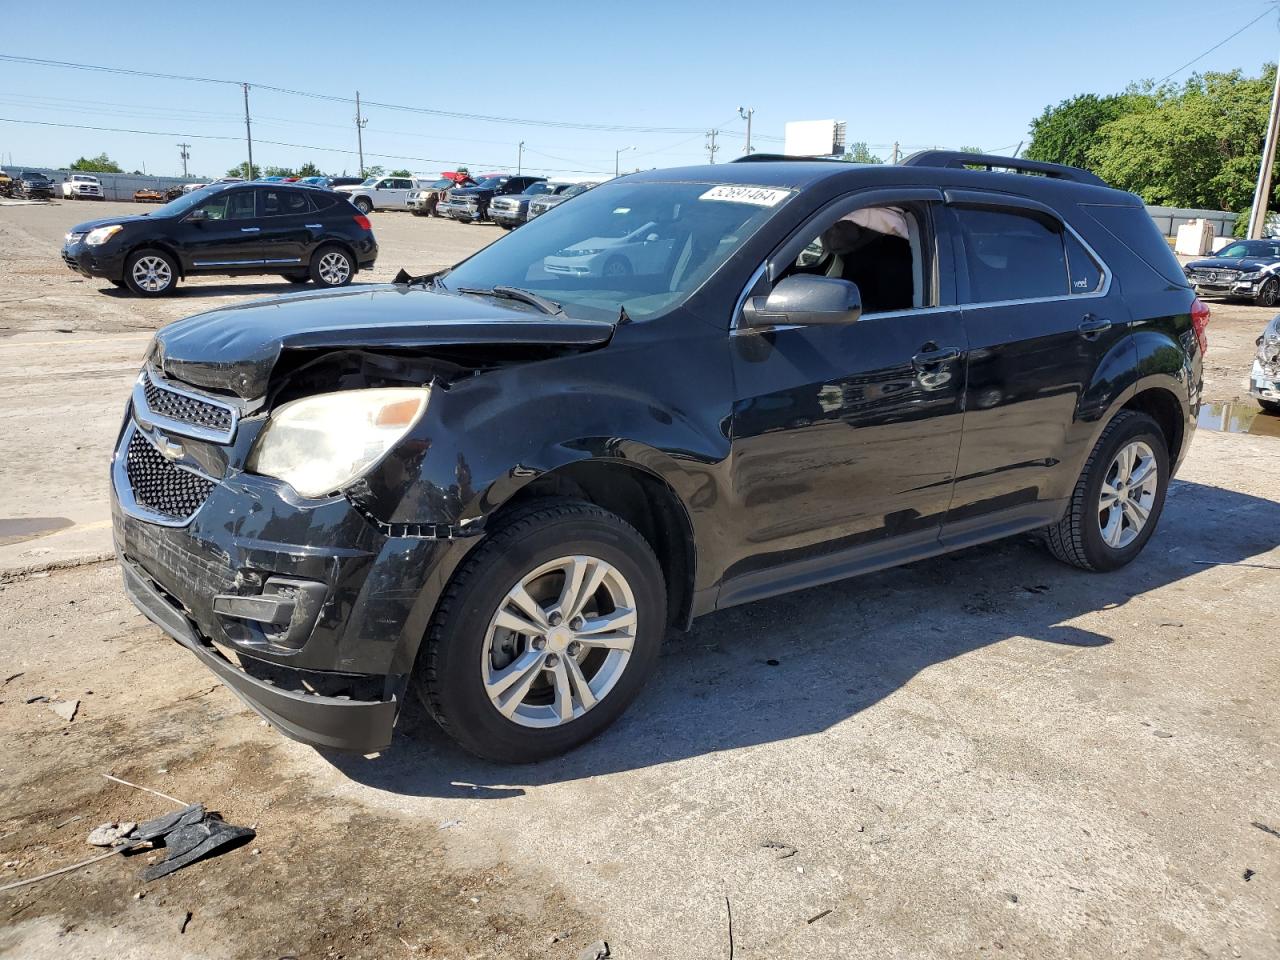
(1091,326)
(934,356)
(314,226)
(250,229)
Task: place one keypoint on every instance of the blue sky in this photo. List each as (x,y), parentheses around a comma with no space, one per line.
(924,74)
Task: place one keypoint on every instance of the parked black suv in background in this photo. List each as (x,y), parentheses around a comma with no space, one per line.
(301,233)
(34,186)
(471,204)
(499,486)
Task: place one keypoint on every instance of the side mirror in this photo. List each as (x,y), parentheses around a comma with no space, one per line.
(196,216)
(805,300)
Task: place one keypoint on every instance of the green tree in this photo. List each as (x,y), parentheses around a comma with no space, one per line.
(374,171)
(278,172)
(242,170)
(1194,146)
(860,153)
(309,169)
(99,164)
(402,173)
(1066,133)
(972,150)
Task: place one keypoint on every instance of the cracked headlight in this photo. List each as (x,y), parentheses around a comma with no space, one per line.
(1256,275)
(319,444)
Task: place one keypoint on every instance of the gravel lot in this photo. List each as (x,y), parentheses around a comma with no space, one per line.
(983,754)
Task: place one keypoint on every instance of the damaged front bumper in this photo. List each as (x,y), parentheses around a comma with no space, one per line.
(1264,381)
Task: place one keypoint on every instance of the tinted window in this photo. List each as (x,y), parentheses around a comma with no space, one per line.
(230,205)
(1086,275)
(325,200)
(1134,228)
(281,203)
(1253,248)
(1011,256)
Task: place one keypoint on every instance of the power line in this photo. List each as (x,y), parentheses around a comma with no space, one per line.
(273,143)
(1213,48)
(458,115)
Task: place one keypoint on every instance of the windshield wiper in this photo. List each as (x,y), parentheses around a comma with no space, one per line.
(518,293)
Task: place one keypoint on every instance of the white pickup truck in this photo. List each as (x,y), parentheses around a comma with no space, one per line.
(81,186)
(384,193)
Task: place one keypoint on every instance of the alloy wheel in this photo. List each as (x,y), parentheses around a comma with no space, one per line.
(1128,494)
(559,641)
(1270,293)
(152,274)
(334,269)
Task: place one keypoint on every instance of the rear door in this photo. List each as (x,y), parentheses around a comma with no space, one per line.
(228,237)
(1042,314)
(287,225)
(844,438)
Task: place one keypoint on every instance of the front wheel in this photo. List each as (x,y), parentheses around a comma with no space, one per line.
(331,267)
(151,273)
(1269,406)
(1268,293)
(1118,499)
(545,635)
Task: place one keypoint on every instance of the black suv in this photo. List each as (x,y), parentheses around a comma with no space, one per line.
(34,186)
(499,486)
(471,204)
(301,233)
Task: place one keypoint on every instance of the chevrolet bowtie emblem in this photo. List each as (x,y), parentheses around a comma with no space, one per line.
(168,449)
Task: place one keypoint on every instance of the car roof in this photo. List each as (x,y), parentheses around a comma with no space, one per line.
(804,174)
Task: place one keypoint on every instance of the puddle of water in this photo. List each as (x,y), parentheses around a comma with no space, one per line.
(1246,417)
(17,529)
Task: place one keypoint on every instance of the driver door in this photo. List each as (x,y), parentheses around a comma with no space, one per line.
(228,237)
(845,438)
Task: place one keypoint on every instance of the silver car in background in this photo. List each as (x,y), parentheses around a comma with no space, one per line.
(1264,379)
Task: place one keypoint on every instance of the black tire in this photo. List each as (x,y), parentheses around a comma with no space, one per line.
(1269,406)
(363,204)
(1077,538)
(617,267)
(121,284)
(448,678)
(1269,293)
(151,288)
(327,269)
(296,277)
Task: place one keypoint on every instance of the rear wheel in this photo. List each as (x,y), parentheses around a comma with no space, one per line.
(545,634)
(331,267)
(1118,499)
(617,267)
(364,205)
(151,273)
(1270,406)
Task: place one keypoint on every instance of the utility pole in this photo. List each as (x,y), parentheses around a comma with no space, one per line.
(183,152)
(248,133)
(711,145)
(746,113)
(520,158)
(616,154)
(895,151)
(1262,192)
(360,125)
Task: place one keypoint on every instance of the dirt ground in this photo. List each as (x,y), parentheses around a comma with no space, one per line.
(986,754)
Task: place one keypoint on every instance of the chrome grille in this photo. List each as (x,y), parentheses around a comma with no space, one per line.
(160,486)
(184,408)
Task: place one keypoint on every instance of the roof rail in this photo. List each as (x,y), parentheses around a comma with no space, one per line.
(778,157)
(960,160)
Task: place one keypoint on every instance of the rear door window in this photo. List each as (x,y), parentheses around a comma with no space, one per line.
(282,203)
(1012,256)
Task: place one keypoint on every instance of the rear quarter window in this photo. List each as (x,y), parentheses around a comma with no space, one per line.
(1133,227)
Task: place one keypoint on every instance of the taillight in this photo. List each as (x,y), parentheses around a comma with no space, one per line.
(1200,323)
(363,223)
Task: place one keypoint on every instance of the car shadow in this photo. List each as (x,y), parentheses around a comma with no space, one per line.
(798,664)
(187,290)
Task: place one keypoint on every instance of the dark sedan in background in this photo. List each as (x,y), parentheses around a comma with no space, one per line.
(1248,269)
(301,233)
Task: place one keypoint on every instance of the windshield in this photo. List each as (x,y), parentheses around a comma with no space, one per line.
(34,176)
(534,189)
(370,181)
(188,200)
(442,184)
(642,246)
(1254,248)
(573,190)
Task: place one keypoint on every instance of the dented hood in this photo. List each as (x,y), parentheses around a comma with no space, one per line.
(235,348)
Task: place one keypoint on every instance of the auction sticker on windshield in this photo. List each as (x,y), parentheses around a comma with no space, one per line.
(760,196)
